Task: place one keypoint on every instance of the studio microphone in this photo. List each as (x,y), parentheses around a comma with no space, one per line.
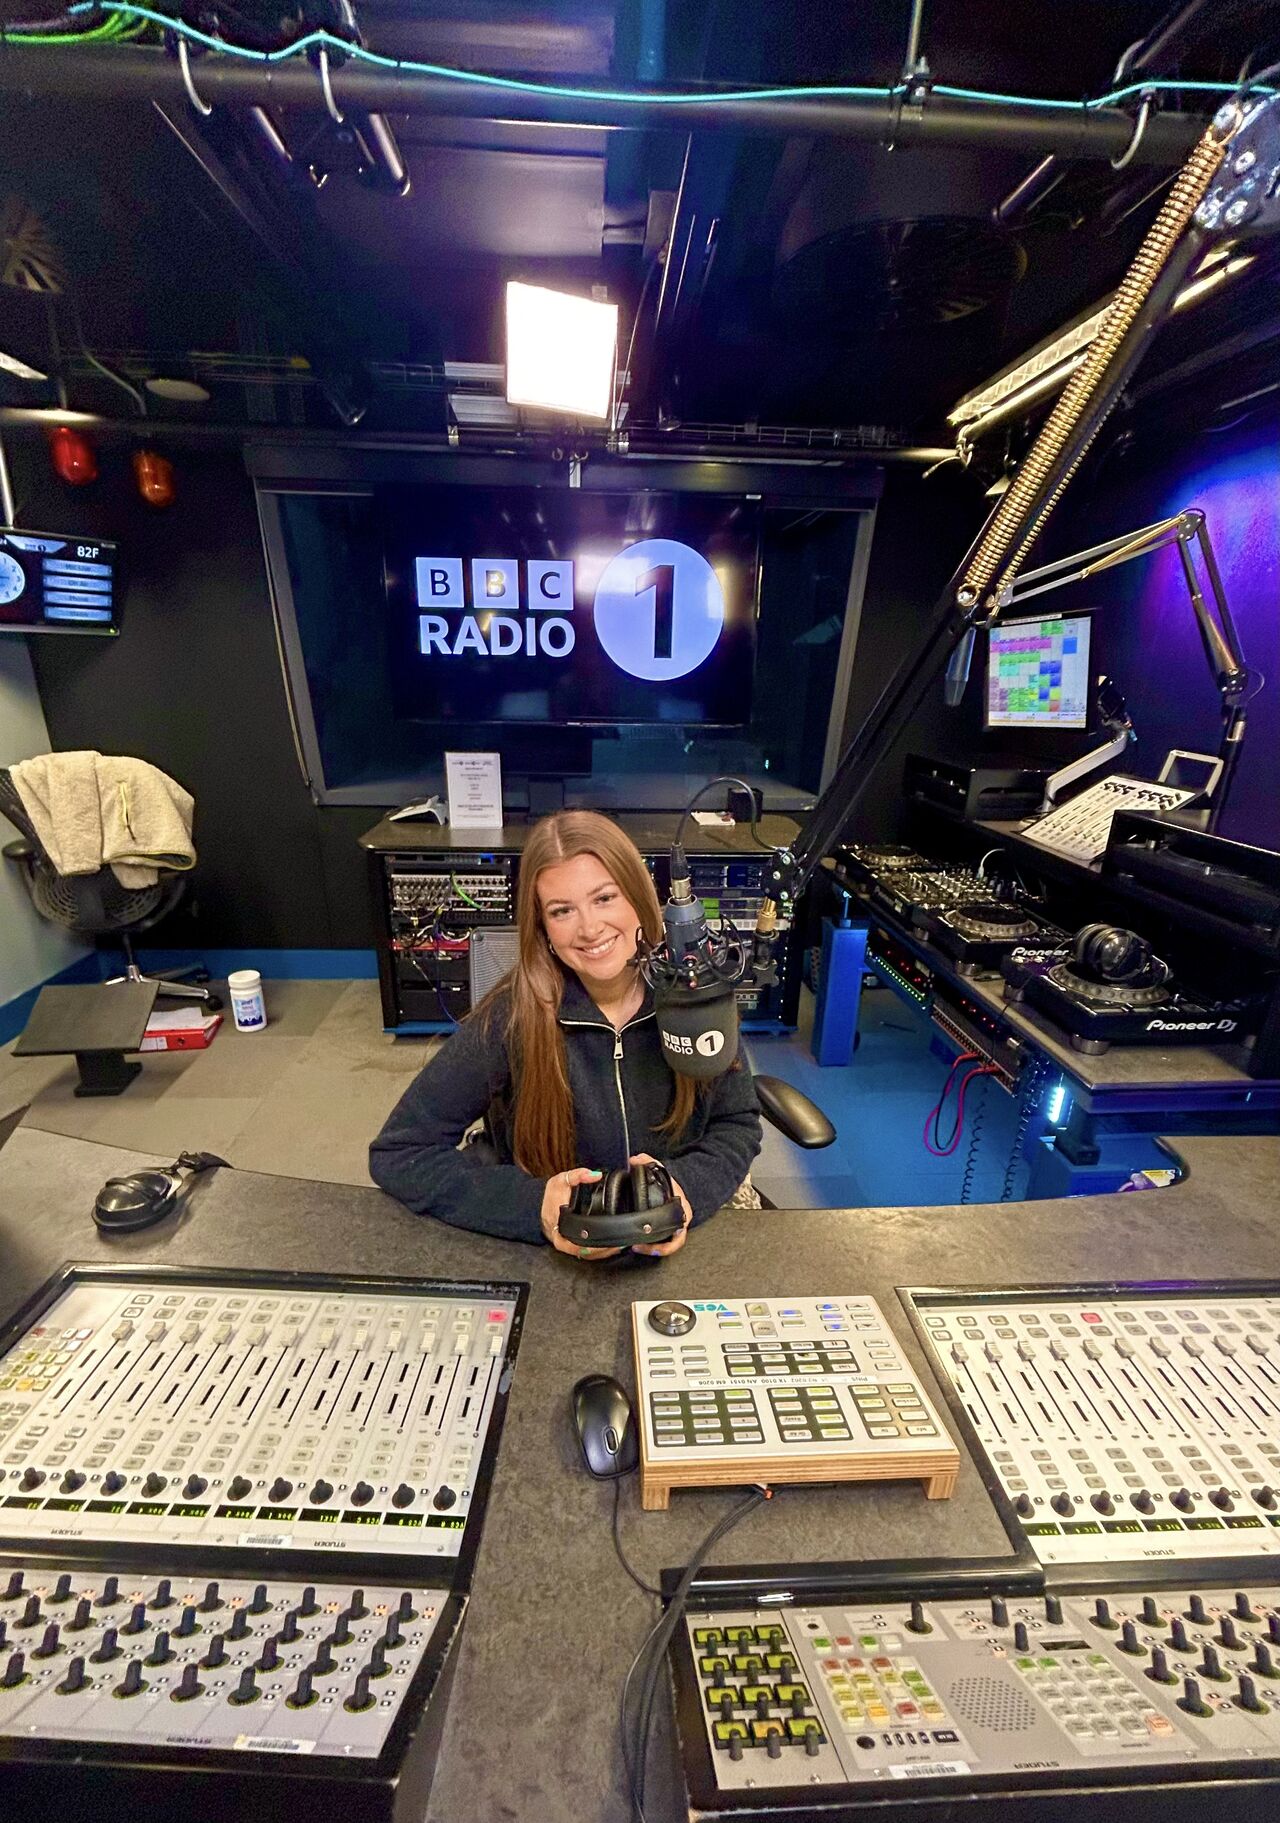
(693,973)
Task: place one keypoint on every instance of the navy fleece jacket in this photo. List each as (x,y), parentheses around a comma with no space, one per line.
(621,1087)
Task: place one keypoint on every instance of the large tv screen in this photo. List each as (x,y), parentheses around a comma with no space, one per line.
(51,582)
(570,607)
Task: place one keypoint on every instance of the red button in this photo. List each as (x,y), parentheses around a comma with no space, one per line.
(842,1639)
(831,1664)
(1090,1316)
(855,1664)
(883,1664)
(906,1709)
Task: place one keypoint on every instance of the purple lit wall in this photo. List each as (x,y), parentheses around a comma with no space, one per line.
(1145,634)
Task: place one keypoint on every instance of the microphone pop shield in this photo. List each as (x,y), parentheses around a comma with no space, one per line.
(698,1028)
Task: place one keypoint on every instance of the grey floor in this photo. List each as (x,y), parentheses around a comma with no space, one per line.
(302,1098)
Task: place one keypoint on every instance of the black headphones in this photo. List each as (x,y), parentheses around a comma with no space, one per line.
(1108,952)
(126,1204)
(635,1204)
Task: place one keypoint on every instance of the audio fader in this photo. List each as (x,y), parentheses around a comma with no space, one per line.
(213,1411)
(1122,1424)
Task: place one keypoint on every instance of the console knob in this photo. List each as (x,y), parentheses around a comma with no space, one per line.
(31,1478)
(62,1588)
(14,1671)
(72,1482)
(212,1599)
(1211,1665)
(322,1491)
(403,1495)
(1158,1670)
(1129,1641)
(1064,1504)
(1103,1503)
(238,1487)
(193,1487)
(360,1697)
(112,1482)
(1021,1638)
(1184,1500)
(1143,1501)
(1102,1616)
(1265,1497)
(161,1651)
(1191,1700)
(1151,1615)
(1024,1506)
(1247,1695)
(1053,1610)
(1244,1607)
(308,1605)
(1196,1610)
(131,1683)
(918,1623)
(110,1591)
(259,1603)
(246,1691)
(74,1680)
(1227,1633)
(239,1625)
(1178,1634)
(279,1490)
(13,1588)
(999,1611)
(1263,1663)
(445,1498)
(188,1686)
(361,1494)
(154,1484)
(1221,1499)
(672,1319)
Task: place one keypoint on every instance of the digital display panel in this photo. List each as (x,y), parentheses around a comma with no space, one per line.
(1038,673)
(58,583)
(570,607)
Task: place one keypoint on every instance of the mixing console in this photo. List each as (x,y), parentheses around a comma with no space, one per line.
(1122,1424)
(173,1661)
(1036,1692)
(216,1411)
(779,1390)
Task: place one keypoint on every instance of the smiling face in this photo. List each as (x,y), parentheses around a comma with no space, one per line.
(590,925)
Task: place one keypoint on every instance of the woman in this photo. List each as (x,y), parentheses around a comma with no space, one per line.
(564,1058)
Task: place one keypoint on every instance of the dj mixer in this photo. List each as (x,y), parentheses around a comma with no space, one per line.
(780,1390)
(1119,1427)
(238,1515)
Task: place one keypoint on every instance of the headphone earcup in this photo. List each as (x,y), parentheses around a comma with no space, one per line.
(658,1185)
(613,1189)
(640,1188)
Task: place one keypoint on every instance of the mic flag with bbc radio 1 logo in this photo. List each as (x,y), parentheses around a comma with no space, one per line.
(698,1027)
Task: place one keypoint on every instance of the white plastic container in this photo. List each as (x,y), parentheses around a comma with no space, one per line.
(248,1008)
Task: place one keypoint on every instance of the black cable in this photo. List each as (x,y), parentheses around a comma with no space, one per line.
(648,1587)
(724,779)
(975,1140)
(1030,1094)
(654,1647)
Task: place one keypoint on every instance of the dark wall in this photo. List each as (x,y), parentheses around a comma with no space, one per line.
(194,685)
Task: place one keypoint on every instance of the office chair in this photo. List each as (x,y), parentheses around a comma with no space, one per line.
(97,906)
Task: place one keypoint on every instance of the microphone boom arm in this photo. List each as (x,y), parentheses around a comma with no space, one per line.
(1195,211)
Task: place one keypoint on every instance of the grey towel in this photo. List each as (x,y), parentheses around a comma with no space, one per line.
(90,808)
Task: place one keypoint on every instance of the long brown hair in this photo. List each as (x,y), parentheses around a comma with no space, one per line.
(544,1139)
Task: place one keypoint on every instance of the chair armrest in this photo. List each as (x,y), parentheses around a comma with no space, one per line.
(793,1114)
(21,850)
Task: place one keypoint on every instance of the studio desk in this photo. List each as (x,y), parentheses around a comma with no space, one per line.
(530,1734)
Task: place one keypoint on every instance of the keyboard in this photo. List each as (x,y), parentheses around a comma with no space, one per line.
(1080,829)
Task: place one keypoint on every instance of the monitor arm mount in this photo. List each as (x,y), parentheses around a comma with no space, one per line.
(1115,718)
(1186,531)
(1230,185)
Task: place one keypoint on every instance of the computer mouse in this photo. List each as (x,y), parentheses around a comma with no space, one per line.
(605,1424)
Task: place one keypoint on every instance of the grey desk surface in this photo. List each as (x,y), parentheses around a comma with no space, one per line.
(650,831)
(531,1734)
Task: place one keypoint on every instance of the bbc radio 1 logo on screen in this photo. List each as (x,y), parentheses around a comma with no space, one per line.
(658,608)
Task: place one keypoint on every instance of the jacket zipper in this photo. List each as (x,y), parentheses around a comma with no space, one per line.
(595,1025)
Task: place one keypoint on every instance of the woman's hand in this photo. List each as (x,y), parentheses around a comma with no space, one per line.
(557,1193)
(677,1240)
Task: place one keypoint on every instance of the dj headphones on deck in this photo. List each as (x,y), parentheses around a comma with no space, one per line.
(1107,952)
(636,1204)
